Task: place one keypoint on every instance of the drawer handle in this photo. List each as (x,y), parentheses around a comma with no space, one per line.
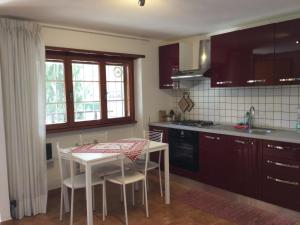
(283,164)
(278,147)
(283,181)
(240,142)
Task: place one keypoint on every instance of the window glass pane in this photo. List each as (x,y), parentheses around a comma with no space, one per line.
(115,91)
(115,109)
(114,73)
(56,112)
(86,91)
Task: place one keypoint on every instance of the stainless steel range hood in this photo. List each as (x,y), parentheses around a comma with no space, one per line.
(186,72)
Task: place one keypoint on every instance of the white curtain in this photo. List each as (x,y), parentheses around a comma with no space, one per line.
(22,61)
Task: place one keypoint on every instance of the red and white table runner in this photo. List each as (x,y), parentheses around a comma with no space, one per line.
(132,149)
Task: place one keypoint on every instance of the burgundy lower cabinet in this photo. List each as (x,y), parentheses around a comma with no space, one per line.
(242,166)
(281,174)
(155,155)
(230,162)
(212,150)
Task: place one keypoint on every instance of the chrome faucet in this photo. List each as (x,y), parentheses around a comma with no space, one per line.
(251,116)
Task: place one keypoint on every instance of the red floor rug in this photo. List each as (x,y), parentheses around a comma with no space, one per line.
(239,213)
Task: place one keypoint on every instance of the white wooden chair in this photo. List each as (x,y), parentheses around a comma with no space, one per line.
(73,182)
(103,169)
(132,176)
(140,163)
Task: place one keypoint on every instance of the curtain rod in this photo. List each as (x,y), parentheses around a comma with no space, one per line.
(93,32)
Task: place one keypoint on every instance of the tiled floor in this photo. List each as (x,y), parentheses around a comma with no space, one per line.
(178,213)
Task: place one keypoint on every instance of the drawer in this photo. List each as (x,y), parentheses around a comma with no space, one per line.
(281,150)
(281,168)
(281,191)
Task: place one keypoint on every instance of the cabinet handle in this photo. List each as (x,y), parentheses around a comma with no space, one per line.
(289,79)
(168,85)
(278,147)
(241,142)
(210,137)
(283,164)
(256,81)
(283,181)
(224,82)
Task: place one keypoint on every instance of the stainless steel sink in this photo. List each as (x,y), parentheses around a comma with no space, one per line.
(260,131)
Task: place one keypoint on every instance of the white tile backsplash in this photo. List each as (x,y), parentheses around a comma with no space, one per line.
(275,106)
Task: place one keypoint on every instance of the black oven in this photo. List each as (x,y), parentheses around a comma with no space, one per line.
(184,149)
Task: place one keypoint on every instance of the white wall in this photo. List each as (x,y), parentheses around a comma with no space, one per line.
(148,97)
(4,195)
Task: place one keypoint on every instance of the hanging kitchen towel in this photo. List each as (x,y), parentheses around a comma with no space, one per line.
(189,101)
(183,104)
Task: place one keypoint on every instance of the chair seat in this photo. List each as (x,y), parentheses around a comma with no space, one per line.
(130,177)
(140,165)
(106,169)
(79,181)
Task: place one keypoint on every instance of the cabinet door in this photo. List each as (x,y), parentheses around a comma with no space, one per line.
(242,166)
(243,58)
(168,64)
(212,152)
(287,52)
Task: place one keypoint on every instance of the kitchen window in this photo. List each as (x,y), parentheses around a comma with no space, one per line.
(88,89)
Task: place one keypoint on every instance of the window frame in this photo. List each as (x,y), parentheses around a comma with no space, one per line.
(67,56)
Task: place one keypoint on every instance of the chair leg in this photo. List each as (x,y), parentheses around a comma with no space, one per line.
(125,204)
(133,200)
(93,193)
(61,202)
(146,199)
(72,207)
(121,199)
(105,198)
(143,193)
(103,201)
(160,183)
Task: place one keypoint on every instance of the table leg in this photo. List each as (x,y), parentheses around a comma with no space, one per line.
(167,175)
(89,204)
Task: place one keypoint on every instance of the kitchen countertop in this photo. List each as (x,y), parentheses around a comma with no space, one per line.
(276,134)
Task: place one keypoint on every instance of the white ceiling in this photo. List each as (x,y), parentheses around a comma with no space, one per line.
(161,19)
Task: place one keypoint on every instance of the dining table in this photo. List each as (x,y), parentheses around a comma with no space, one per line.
(88,160)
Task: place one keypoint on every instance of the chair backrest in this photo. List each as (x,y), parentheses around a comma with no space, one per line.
(93,138)
(146,153)
(154,136)
(65,160)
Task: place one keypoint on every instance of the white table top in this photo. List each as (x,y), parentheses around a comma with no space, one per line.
(84,158)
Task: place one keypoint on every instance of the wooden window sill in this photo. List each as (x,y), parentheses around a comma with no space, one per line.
(85,127)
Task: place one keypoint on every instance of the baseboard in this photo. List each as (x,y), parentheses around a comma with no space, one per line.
(5,219)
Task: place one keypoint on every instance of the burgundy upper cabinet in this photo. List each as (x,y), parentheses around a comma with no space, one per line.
(243,58)
(168,64)
(287,52)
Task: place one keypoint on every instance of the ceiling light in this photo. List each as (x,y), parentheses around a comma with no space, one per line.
(297,42)
(141,2)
